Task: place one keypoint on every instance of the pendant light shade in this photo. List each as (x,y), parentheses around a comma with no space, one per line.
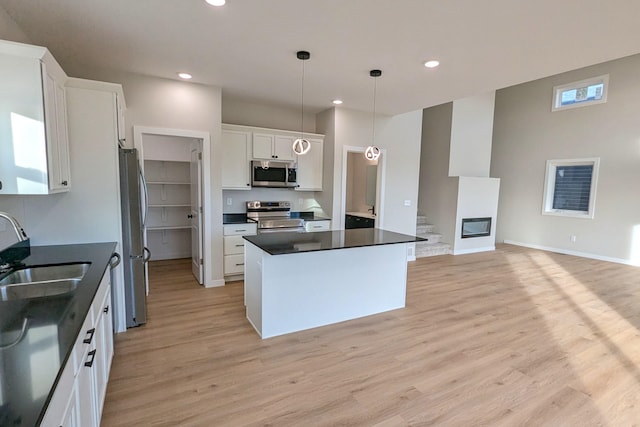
(372,152)
(301,145)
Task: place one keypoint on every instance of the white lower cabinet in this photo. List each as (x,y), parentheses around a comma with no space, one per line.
(234,247)
(79,395)
(322,225)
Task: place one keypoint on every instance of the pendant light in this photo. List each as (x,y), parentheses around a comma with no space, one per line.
(301,145)
(373,152)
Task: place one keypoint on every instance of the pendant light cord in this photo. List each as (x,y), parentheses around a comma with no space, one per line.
(373,132)
(302,105)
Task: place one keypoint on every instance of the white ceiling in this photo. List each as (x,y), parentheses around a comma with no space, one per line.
(248,46)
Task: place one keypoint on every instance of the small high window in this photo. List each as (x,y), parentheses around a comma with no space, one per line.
(580,94)
(570,187)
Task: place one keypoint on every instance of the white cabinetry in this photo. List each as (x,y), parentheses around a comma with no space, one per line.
(322,225)
(241,144)
(236,146)
(79,395)
(310,168)
(34,142)
(234,247)
(269,146)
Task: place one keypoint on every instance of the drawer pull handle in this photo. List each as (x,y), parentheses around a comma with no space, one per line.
(90,332)
(106,309)
(240,231)
(89,363)
(240,264)
(239,246)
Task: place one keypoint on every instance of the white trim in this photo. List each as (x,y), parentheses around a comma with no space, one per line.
(473,250)
(214,283)
(207,245)
(549,187)
(558,90)
(574,253)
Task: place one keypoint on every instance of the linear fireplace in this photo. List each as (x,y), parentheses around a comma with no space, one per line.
(475,227)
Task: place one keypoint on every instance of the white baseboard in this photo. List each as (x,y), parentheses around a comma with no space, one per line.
(574,253)
(214,283)
(473,250)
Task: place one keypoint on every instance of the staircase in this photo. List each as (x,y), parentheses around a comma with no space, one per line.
(432,246)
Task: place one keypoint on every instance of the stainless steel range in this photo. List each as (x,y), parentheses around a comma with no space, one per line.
(274,217)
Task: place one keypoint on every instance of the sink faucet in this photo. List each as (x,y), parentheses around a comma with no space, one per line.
(22,236)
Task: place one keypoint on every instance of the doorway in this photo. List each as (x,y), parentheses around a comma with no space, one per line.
(362,189)
(174,164)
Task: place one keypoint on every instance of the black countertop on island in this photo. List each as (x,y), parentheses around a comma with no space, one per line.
(292,243)
(29,369)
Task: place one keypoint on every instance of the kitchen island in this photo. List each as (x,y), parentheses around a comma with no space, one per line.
(297,281)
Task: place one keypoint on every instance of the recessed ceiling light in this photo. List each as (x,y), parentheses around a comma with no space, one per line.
(432,63)
(216,2)
(185,76)
(337,101)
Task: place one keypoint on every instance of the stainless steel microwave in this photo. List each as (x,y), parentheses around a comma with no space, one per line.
(265,173)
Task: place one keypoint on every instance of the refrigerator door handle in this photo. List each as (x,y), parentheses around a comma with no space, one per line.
(147,254)
(115,260)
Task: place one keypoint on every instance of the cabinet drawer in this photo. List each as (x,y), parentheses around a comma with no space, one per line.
(311,226)
(234,264)
(233,245)
(240,229)
(81,348)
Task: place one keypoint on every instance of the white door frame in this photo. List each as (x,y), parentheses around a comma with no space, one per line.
(380,184)
(206,231)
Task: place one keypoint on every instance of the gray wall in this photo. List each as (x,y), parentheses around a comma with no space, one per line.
(9,30)
(437,198)
(242,112)
(527,134)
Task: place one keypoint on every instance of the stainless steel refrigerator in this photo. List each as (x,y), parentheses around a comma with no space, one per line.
(134,254)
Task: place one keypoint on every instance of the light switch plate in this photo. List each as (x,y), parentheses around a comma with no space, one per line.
(229,201)
(407,202)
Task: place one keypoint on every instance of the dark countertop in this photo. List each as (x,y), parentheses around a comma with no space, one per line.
(308,216)
(240,218)
(236,218)
(29,370)
(291,243)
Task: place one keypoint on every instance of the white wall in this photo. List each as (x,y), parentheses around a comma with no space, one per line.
(438,192)
(400,137)
(9,30)
(527,134)
(471,134)
(242,112)
(477,198)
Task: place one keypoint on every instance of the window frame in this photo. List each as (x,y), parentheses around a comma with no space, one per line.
(550,183)
(556,101)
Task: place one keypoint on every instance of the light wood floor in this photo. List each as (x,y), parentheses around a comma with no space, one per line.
(505,338)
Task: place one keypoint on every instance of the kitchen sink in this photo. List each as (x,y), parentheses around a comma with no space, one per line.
(42,281)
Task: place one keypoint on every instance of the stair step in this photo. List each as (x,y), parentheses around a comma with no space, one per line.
(430,237)
(425,249)
(421,219)
(424,228)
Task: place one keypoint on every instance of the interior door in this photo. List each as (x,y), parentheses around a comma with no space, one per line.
(196,210)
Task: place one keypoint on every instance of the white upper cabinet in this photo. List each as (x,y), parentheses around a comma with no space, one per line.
(235,159)
(268,146)
(310,168)
(241,144)
(34,142)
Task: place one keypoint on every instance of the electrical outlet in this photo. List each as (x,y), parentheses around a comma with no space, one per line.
(573,238)
(229,201)
(407,202)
